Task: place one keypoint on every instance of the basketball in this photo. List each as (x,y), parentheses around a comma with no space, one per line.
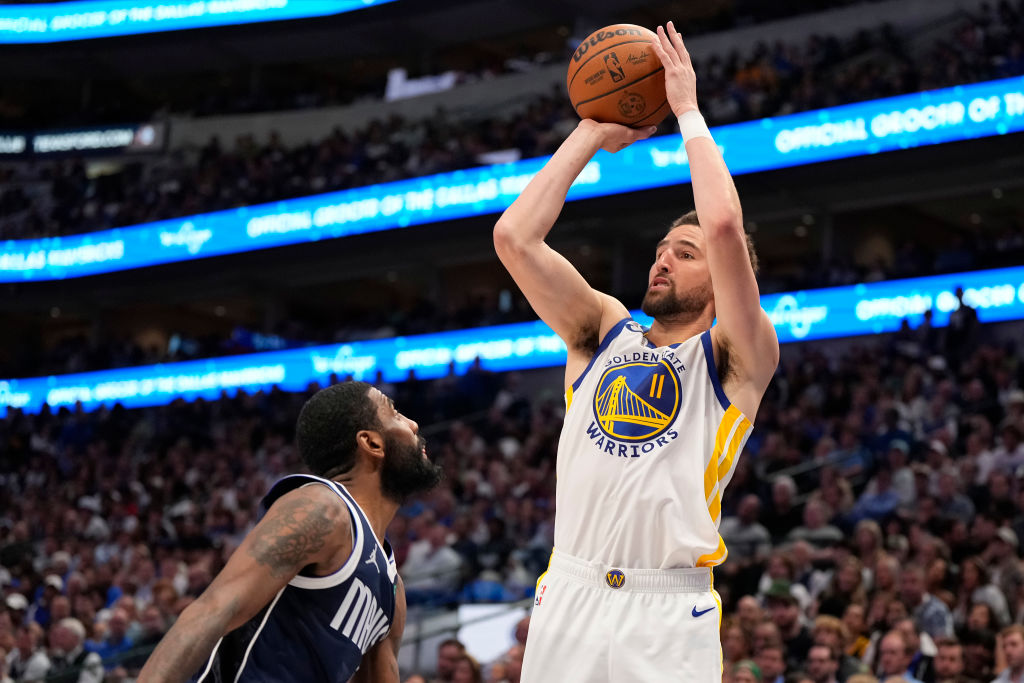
(615,77)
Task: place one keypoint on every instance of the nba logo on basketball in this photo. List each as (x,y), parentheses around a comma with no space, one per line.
(615,578)
(611,62)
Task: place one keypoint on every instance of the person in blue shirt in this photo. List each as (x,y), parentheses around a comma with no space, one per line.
(116,641)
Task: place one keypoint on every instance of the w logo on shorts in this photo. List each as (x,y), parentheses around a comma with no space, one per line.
(615,578)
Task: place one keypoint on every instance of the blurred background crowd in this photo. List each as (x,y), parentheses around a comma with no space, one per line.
(876,517)
(879,494)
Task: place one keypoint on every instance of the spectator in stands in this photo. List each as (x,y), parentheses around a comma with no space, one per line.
(467,670)
(70,662)
(746,671)
(831,632)
(896,654)
(448,654)
(822,665)
(40,609)
(879,499)
(780,568)
(845,587)
(855,621)
(153,626)
(949,661)
(815,528)
(1011,640)
(975,587)
(771,659)
(116,642)
(782,515)
(979,653)
(785,613)
(950,497)
(749,542)
(432,569)
(929,613)
(28,660)
(922,646)
(735,643)
(17,608)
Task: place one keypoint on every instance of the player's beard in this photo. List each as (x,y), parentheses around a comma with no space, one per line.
(668,303)
(405,471)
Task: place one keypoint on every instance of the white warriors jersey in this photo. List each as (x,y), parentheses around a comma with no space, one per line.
(649,443)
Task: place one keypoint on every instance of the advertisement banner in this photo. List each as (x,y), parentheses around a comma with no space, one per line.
(998,295)
(84,19)
(929,118)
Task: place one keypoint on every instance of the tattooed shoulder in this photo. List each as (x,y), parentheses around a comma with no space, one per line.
(295,530)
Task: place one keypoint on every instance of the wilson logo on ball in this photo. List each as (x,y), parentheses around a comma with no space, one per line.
(602,35)
(615,77)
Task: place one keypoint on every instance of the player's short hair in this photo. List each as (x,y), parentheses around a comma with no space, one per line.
(328,424)
(690,218)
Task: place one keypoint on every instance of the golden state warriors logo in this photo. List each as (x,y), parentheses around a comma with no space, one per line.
(615,578)
(637,401)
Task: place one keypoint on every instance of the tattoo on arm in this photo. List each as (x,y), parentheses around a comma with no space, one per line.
(188,644)
(285,542)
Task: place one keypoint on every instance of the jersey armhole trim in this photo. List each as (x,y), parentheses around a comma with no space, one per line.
(709,356)
(347,569)
(612,333)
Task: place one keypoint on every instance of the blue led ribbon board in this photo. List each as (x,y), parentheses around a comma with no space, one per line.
(872,308)
(929,118)
(83,19)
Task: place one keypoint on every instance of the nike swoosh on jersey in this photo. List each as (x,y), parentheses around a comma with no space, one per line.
(702,612)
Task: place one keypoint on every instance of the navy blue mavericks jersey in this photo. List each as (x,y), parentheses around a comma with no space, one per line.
(316,628)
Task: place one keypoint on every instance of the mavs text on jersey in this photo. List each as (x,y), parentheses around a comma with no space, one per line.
(317,628)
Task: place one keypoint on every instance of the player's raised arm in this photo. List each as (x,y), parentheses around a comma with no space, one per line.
(558,293)
(749,334)
(307,526)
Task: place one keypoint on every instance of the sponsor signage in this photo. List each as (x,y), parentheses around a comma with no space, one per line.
(998,295)
(143,137)
(961,113)
(83,19)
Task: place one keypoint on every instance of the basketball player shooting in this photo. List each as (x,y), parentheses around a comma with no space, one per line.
(312,593)
(655,417)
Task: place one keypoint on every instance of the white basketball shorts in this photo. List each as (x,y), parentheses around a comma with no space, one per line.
(593,623)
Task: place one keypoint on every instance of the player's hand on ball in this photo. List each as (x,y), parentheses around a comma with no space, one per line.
(615,136)
(680,79)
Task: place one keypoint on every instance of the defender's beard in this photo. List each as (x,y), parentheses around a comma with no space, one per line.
(668,303)
(406,472)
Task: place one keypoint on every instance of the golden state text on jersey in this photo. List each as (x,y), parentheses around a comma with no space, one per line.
(636,402)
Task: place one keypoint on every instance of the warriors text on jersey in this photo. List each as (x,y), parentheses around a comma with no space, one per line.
(648,445)
(315,628)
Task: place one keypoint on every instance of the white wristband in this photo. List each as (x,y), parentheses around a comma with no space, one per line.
(692,125)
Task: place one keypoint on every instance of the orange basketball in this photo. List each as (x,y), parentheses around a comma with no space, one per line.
(615,77)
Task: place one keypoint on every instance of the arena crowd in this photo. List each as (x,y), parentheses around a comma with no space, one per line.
(873,524)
